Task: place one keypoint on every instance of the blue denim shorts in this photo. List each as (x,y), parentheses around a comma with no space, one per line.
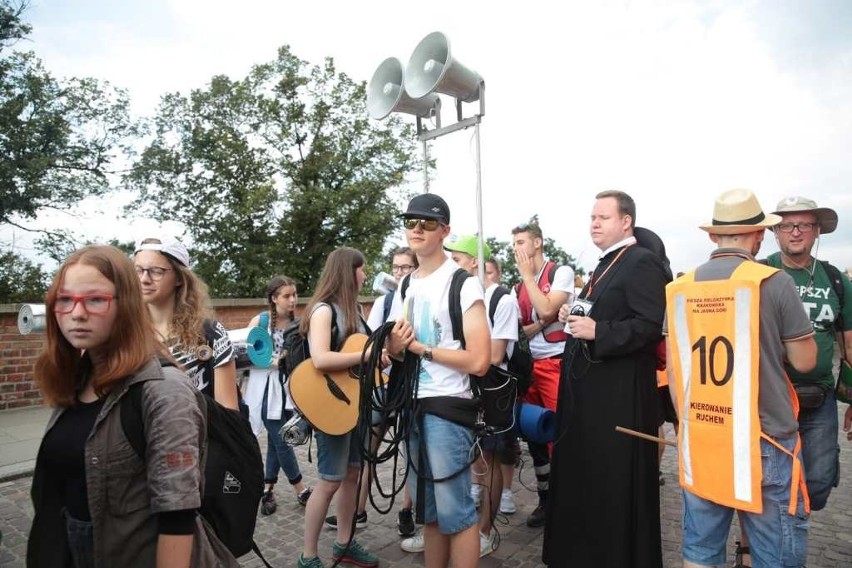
(448,449)
(336,454)
(775,537)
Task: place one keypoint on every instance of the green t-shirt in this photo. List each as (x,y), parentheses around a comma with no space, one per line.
(823,307)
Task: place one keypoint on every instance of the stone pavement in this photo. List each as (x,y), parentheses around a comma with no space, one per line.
(280,535)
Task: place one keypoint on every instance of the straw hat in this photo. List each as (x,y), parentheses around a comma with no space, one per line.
(737,211)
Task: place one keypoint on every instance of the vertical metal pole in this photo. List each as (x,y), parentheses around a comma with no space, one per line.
(425,166)
(481,240)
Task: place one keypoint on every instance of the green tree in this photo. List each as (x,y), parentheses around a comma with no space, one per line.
(21,281)
(272,172)
(59,140)
(504,252)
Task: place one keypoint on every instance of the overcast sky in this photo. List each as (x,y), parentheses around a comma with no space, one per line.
(672,102)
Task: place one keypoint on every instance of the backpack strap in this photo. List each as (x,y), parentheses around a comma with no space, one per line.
(495,300)
(403,286)
(456,315)
(130,412)
(836,279)
(387,306)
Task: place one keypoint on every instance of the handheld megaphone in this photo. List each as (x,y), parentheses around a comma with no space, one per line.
(384,283)
(253,347)
(31,317)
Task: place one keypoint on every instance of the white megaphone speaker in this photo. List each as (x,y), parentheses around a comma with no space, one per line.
(386,94)
(432,68)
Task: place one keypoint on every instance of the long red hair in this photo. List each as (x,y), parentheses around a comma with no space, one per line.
(131,344)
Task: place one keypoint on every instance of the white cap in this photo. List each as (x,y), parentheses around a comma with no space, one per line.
(167,245)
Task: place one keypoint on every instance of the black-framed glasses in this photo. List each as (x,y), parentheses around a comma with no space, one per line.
(94,304)
(426,224)
(402,267)
(154,272)
(803,227)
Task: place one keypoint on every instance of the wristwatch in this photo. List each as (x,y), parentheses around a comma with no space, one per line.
(427,353)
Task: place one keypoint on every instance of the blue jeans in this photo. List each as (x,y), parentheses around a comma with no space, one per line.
(278,453)
(336,454)
(820,450)
(776,538)
(81,542)
(448,450)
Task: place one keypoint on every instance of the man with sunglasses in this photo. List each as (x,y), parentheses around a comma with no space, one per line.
(818,284)
(544,288)
(440,445)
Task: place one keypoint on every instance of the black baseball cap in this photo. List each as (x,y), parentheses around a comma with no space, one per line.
(428,206)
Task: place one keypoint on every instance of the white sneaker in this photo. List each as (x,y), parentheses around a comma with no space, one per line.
(413,544)
(507,502)
(486,544)
(476,493)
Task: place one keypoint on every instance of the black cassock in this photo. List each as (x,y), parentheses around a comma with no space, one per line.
(604,504)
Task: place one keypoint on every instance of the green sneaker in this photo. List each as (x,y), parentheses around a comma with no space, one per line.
(356,555)
(314,562)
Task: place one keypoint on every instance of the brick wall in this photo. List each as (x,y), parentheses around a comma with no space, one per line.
(18,352)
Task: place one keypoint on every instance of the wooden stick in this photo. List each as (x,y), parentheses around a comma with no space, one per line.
(645,436)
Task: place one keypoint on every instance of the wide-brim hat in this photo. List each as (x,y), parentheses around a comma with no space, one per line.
(738,211)
(826,218)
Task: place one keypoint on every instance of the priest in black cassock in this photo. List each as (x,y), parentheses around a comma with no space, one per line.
(604,505)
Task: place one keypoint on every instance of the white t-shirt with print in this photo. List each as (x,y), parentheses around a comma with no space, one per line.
(506,317)
(563,281)
(427,302)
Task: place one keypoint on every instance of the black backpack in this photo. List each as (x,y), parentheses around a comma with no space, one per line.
(497,390)
(233,475)
(295,348)
(520,363)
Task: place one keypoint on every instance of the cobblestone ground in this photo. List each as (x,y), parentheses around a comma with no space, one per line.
(279,536)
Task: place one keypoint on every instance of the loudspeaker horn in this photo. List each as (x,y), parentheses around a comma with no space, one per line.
(386,93)
(432,68)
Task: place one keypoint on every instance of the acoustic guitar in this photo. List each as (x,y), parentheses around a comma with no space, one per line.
(329,400)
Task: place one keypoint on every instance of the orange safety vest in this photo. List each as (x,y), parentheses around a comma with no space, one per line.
(714,331)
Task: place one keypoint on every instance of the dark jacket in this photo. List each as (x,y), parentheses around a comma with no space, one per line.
(125,493)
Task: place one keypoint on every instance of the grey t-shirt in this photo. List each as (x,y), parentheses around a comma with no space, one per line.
(781,319)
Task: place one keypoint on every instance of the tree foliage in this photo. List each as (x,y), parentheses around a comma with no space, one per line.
(21,281)
(272,172)
(59,140)
(504,252)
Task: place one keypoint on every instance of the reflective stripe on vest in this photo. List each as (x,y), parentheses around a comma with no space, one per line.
(714,333)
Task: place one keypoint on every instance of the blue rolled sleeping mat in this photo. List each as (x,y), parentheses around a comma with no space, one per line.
(253,347)
(535,423)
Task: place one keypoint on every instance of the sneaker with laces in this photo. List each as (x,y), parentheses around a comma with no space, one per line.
(413,544)
(303,497)
(314,562)
(476,494)
(507,502)
(487,544)
(267,503)
(360,520)
(356,554)
(538,516)
(405,523)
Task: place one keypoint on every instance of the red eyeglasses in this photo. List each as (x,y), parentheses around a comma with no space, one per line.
(94,304)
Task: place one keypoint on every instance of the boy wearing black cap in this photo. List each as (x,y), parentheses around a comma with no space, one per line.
(450,532)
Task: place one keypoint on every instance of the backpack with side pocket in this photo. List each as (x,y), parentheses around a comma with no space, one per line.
(233,474)
(520,363)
